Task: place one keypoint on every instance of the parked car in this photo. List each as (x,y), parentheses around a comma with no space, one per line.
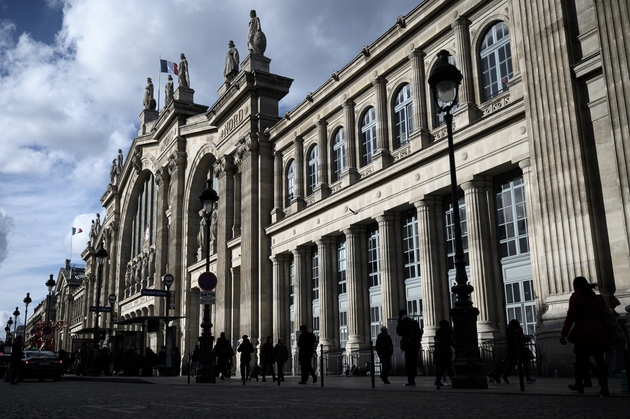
(41,365)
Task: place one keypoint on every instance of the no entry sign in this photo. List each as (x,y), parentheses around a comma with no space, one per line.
(207,281)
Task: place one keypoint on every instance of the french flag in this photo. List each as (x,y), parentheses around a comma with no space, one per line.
(168,67)
(76,231)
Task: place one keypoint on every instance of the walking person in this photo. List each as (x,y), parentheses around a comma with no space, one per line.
(384,350)
(585,311)
(195,358)
(246,349)
(443,353)
(267,358)
(16,358)
(223,350)
(410,332)
(281,354)
(306,343)
(516,351)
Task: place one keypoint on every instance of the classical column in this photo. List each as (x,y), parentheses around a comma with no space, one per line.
(390,252)
(177,171)
(297,203)
(277,213)
(381,158)
(322,160)
(280,302)
(349,175)
(236,228)
(326,292)
(466,109)
(419,86)
(358,326)
(300,290)
(435,287)
(265,267)
(483,261)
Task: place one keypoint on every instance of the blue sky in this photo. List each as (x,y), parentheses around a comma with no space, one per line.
(72,75)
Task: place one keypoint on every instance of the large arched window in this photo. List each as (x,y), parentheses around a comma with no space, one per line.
(312,171)
(290,183)
(144,220)
(368,136)
(403,116)
(339,155)
(496,61)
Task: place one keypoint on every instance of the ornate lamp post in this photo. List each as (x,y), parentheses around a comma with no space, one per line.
(208,198)
(112,301)
(444,83)
(7,330)
(27,300)
(50,284)
(16,313)
(100,254)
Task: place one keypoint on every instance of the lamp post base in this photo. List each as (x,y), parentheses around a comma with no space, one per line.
(468,365)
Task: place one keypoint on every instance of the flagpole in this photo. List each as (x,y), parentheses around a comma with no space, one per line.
(71,244)
(159,85)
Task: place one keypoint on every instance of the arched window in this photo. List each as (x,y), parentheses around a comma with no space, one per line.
(290,182)
(312,171)
(496,61)
(339,155)
(144,219)
(403,116)
(368,136)
(438,117)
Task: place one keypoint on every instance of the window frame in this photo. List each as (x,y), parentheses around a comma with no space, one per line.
(368,136)
(403,116)
(338,152)
(493,51)
(289,178)
(311,170)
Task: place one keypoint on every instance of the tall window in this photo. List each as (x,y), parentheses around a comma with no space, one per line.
(343,328)
(403,116)
(375,322)
(291,282)
(314,274)
(368,136)
(512,218)
(341,266)
(496,61)
(312,171)
(373,260)
(411,257)
(144,219)
(290,194)
(339,155)
(438,117)
(450,233)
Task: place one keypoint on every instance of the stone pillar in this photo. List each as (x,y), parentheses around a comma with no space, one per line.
(390,259)
(300,290)
(467,111)
(327,293)
(265,267)
(236,228)
(382,157)
(482,253)
(280,298)
(224,171)
(419,88)
(322,190)
(298,200)
(350,174)
(435,287)
(277,213)
(358,314)
(177,171)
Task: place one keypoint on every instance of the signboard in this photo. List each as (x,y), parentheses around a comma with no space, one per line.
(94,309)
(154,293)
(47,330)
(207,297)
(168,280)
(171,300)
(207,281)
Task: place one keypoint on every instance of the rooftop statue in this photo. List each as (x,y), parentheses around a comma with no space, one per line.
(231,63)
(256,39)
(168,91)
(148,101)
(184,77)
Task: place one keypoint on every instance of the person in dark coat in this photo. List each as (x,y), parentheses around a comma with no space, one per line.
(177,361)
(443,353)
(195,359)
(585,311)
(384,349)
(410,332)
(223,351)
(516,350)
(246,349)
(16,358)
(267,359)
(281,354)
(306,343)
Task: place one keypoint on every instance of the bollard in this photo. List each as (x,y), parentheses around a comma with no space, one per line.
(321,364)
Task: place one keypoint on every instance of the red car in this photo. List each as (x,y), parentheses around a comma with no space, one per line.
(41,365)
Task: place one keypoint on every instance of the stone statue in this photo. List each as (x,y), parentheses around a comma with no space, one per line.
(256,39)
(98,222)
(184,77)
(145,269)
(231,63)
(93,233)
(201,237)
(148,101)
(119,162)
(168,91)
(112,172)
(151,266)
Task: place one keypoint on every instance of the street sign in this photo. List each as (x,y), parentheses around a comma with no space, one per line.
(112,299)
(207,297)
(47,330)
(168,280)
(207,281)
(94,309)
(153,293)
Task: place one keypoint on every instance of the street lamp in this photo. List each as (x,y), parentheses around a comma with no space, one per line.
(100,254)
(27,300)
(16,313)
(444,83)
(7,330)
(50,284)
(208,198)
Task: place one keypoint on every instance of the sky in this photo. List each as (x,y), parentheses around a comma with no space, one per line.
(72,76)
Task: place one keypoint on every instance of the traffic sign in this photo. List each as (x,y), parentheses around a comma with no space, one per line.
(94,309)
(153,293)
(47,330)
(168,280)
(207,297)
(207,281)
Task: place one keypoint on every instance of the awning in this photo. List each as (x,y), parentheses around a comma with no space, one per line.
(86,331)
(143,319)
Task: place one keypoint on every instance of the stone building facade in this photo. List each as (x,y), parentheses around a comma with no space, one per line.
(338,214)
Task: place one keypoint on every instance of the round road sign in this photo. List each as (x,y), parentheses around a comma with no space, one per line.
(47,330)
(168,280)
(207,281)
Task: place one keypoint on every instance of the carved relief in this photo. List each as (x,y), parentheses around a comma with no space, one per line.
(137,159)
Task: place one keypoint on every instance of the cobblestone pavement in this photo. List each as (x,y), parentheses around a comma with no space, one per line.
(172,397)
